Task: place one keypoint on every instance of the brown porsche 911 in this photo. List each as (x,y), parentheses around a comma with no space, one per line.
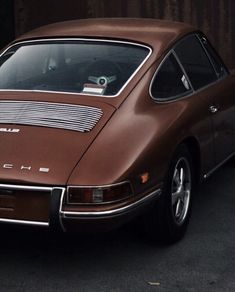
(104,120)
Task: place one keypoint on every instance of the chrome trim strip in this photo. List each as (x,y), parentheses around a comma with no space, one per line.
(188,94)
(207,175)
(34,188)
(182,68)
(24,222)
(175,97)
(61,204)
(47,114)
(83,39)
(69,215)
(200,38)
(23,187)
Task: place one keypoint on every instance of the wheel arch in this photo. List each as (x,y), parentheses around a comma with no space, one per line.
(194,149)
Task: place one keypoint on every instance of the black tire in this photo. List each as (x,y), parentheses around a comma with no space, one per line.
(169,217)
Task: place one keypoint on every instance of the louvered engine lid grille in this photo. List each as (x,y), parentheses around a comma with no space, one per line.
(54,115)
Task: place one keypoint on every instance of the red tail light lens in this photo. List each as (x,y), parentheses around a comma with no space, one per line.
(97,195)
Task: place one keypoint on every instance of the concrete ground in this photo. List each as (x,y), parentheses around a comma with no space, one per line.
(32,260)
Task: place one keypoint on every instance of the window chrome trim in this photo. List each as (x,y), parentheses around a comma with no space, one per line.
(175,97)
(88,40)
(182,68)
(207,54)
(210,58)
(193,91)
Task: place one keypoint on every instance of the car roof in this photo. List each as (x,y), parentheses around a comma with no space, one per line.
(159,34)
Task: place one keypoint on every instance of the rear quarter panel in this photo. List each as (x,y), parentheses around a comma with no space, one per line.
(142,136)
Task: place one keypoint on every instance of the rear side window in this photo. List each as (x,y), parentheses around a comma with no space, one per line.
(218,64)
(170,81)
(195,62)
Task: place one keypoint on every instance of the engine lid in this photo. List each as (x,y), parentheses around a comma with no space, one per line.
(41,142)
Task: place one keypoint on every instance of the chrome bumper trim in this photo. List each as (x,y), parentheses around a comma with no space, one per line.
(24,222)
(115,212)
(33,188)
(22,187)
(75,215)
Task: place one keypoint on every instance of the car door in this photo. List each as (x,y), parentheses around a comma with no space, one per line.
(223,109)
(201,71)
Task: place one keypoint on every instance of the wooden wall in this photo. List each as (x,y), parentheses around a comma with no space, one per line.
(6,21)
(215,17)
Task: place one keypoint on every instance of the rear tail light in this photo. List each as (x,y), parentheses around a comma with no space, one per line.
(96,195)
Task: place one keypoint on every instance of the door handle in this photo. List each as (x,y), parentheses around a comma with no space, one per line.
(213,109)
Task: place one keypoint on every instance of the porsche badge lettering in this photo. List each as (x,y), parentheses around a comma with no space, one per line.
(24,167)
(9,130)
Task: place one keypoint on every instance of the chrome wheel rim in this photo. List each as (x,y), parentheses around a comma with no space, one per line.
(181,190)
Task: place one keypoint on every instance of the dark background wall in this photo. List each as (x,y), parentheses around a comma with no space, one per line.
(215,17)
(6,21)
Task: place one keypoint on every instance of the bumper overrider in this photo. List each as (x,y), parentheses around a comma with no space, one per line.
(49,207)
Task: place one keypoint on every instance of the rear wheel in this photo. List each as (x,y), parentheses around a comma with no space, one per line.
(169,218)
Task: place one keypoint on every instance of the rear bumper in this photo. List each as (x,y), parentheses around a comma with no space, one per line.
(109,219)
(58,218)
(30,205)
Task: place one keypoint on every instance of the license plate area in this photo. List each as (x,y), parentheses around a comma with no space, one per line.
(25,204)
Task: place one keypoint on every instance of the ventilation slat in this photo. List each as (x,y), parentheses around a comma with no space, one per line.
(53,115)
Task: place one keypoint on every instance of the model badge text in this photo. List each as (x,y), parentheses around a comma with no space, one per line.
(24,167)
(9,130)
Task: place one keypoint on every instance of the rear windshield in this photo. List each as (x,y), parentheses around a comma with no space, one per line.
(81,66)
